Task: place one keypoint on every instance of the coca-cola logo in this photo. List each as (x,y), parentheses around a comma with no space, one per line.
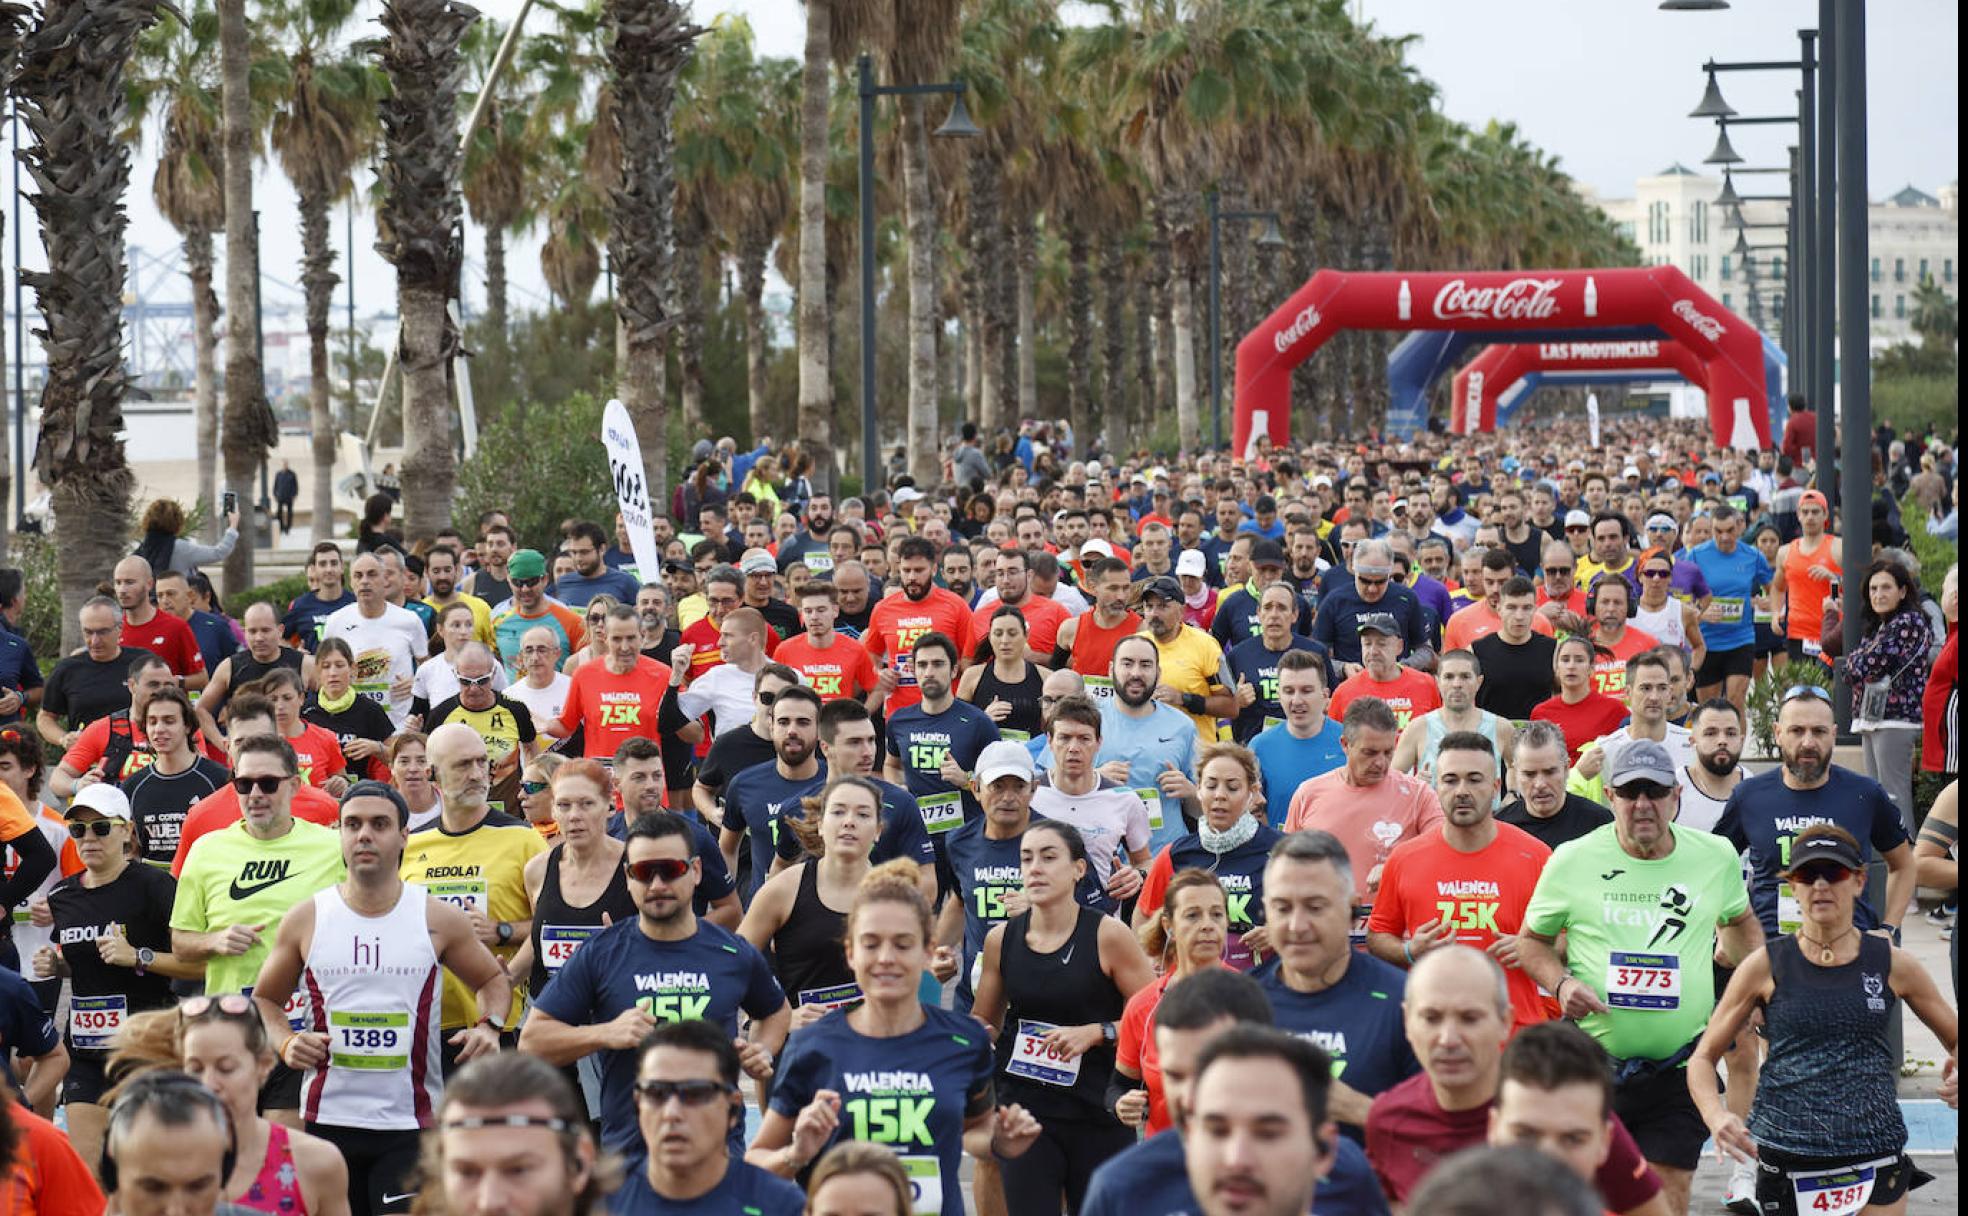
(1517,300)
(1304,323)
(1703,324)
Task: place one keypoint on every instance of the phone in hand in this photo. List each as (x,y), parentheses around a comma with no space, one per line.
(229,504)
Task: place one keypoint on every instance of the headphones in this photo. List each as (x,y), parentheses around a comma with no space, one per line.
(1592,595)
(164,1088)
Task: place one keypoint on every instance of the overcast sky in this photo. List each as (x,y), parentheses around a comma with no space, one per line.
(1605,85)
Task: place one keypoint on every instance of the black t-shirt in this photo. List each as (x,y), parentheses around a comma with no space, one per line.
(1529,552)
(25,1027)
(1515,678)
(363,719)
(138,904)
(159,803)
(732,753)
(783,617)
(1574,819)
(80,689)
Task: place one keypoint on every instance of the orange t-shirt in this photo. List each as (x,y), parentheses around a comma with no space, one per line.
(1609,670)
(1410,694)
(836,672)
(47,1176)
(1478,621)
(1482,894)
(1804,596)
(898,621)
(220,809)
(1043,617)
(319,753)
(608,708)
(1369,820)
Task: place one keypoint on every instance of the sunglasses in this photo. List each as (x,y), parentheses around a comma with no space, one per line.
(690,1093)
(1559,569)
(1657,574)
(1370,582)
(1828,872)
(530,788)
(767,698)
(484,681)
(1577,528)
(669,869)
(99,828)
(1643,789)
(231,1004)
(528,582)
(266,785)
(1799,691)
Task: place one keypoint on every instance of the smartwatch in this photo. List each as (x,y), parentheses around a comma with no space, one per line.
(505,932)
(146,958)
(1109,1034)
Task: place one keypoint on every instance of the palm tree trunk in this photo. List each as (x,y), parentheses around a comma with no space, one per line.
(816,390)
(751,286)
(1113,381)
(1026,250)
(1003,285)
(318,280)
(1182,316)
(495,283)
(1147,392)
(986,262)
(973,358)
(425,340)
(205,370)
(1159,275)
(250,430)
(689,268)
(1079,328)
(925,460)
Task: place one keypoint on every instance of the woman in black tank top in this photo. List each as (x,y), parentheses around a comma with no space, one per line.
(1056,980)
(1002,681)
(798,919)
(577,883)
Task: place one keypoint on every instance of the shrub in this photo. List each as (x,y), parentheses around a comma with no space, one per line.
(280,593)
(1766,694)
(540,466)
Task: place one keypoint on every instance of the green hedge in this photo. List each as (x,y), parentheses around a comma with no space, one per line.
(280,592)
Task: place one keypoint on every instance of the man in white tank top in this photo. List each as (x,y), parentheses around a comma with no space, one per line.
(367,956)
(1459,675)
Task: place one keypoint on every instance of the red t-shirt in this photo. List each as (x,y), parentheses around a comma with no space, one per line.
(1483,894)
(839,671)
(1410,694)
(1135,1048)
(1609,670)
(1597,714)
(1575,602)
(169,639)
(220,809)
(1043,617)
(1408,1132)
(608,708)
(319,752)
(898,621)
(47,1177)
(1940,733)
(705,637)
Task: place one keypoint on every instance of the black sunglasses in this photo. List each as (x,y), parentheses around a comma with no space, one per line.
(1808,875)
(527,582)
(99,828)
(669,869)
(1643,789)
(690,1093)
(266,785)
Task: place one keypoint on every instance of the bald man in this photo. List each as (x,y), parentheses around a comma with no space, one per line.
(149,628)
(264,652)
(387,641)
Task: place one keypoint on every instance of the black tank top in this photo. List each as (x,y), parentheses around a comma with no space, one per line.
(1830,1022)
(560,927)
(1064,988)
(807,952)
(246,669)
(1022,696)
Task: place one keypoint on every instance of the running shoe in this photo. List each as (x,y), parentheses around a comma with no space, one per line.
(1741,1195)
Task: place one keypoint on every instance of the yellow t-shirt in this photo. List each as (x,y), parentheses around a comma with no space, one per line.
(481,616)
(482,869)
(691,609)
(1193,662)
(1588,569)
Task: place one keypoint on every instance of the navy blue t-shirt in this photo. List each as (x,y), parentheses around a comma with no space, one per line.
(25,1028)
(745,1188)
(919,741)
(18,670)
(1236,618)
(983,872)
(711,975)
(1764,814)
(1253,663)
(755,800)
(214,636)
(308,613)
(902,833)
(1357,1022)
(1241,873)
(1152,1179)
(715,882)
(911,1092)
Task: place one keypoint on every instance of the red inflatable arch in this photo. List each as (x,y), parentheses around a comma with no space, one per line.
(1484,380)
(1657,299)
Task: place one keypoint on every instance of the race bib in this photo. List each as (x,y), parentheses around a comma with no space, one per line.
(1151,797)
(296,1011)
(1838,1192)
(905,670)
(1034,1061)
(1015,736)
(1732,608)
(1100,687)
(818,562)
(372,676)
(1813,648)
(372,1042)
(559,942)
(925,1184)
(1790,915)
(1358,933)
(1643,981)
(840,996)
(941,812)
(467,894)
(94,1020)
(1270,722)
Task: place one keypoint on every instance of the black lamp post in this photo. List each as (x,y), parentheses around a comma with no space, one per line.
(957,126)
(1270,238)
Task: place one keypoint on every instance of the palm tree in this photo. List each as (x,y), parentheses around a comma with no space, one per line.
(652,40)
(324,127)
(70,87)
(1935,316)
(250,427)
(176,71)
(419,220)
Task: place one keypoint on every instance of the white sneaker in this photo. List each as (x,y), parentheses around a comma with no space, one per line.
(1740,1196)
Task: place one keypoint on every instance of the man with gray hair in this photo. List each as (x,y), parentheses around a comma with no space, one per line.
(1373,588)
(91,683)
(1366,802)
(1320,987)
(542,686)
(1544,807)
(1456,1013)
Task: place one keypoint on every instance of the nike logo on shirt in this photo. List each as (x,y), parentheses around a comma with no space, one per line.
(257,876)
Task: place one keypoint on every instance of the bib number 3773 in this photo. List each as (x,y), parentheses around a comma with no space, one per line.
(1643,981)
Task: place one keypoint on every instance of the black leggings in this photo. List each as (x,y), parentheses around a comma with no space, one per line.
(1061,1162)
(379,1166)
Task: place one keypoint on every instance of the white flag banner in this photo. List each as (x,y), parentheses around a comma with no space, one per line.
(631,488)
(1592,416)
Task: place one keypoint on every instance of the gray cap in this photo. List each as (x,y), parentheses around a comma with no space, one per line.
(1377,622)
(1640,760)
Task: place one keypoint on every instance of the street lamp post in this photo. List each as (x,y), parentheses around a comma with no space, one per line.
(1854,324)
(958,125)
(1270,238)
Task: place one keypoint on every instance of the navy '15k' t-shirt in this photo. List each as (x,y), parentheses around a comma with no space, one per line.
(1152,1179)
(919,741)
(1357,1022)
(711,975)
(1764,815)
(755,801)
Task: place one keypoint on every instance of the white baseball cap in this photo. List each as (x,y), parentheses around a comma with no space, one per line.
(1190,564)
(1096,547)
(1004,758)
(104,799)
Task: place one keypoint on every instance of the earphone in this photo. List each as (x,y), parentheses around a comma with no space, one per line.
(1592,595)
(156,1089)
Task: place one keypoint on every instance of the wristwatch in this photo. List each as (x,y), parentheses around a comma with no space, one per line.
(146,957)
(1109,1034)
(505,932)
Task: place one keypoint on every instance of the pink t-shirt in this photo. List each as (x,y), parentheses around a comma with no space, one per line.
(1368,819)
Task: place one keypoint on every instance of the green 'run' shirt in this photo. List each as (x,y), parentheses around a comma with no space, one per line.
(231,878)
(1641,934)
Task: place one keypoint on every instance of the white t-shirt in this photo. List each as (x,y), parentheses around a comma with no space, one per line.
(544,703)
(1697,809)
(724,692)
(1112,820)
(386,650)
(437,682)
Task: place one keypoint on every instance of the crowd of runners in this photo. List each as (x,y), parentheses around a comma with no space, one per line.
(1358,828)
